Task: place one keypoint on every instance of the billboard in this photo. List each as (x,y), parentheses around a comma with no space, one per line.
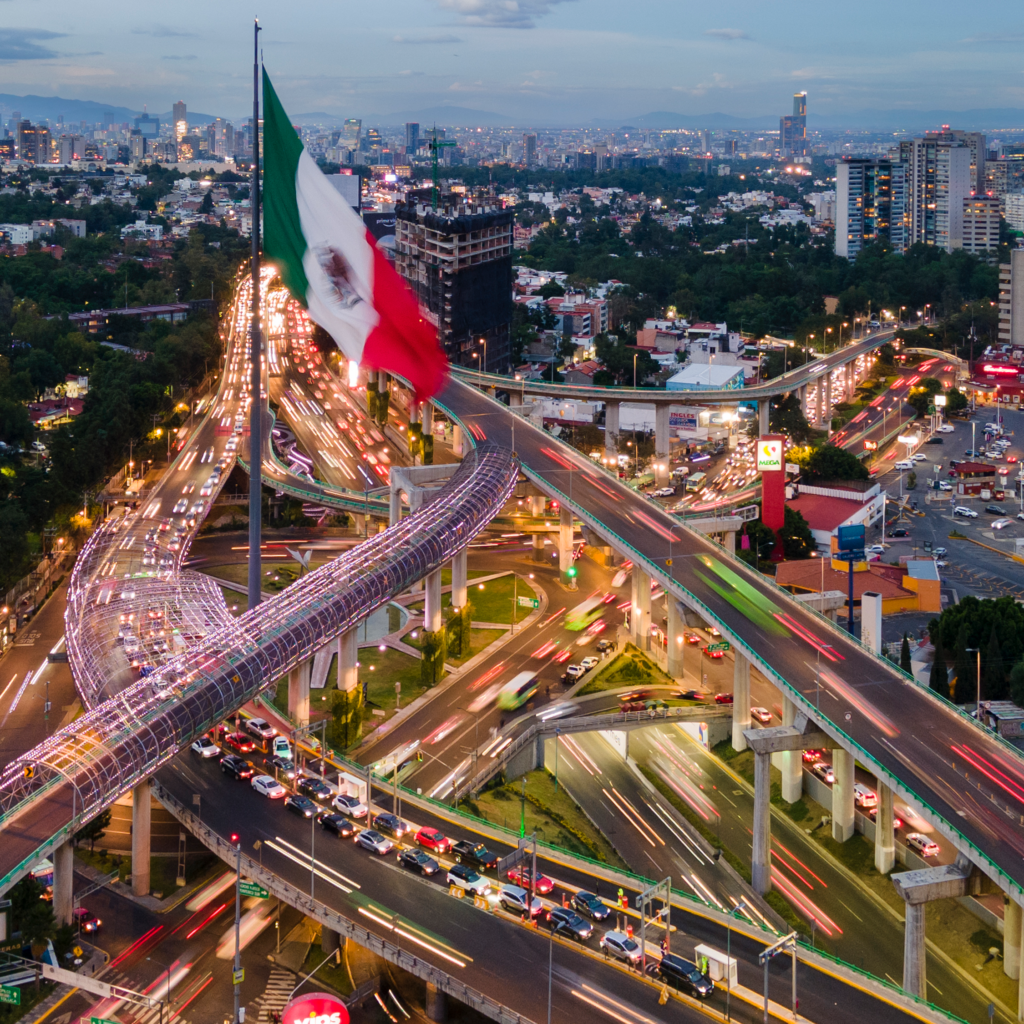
(684,419)
(382,227)
(771,464)
(315,1008)
(769,454)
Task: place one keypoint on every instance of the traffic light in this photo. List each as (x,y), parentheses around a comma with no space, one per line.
(234,837)
(571,571)
(419,755)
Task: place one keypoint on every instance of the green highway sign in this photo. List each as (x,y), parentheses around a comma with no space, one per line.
(724,645)
(252,889)
(11,995)
(101,1020)
(529,602)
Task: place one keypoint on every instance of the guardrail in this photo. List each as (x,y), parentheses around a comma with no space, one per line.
(328,918)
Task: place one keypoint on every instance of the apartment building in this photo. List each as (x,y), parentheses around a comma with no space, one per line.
(981,224)
(870,205)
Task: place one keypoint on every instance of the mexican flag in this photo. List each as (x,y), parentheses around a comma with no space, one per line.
(330,263)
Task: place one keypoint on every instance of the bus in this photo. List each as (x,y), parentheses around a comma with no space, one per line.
(583,615)
(695,481)
(517,691)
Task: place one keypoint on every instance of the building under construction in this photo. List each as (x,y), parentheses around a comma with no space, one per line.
(458,259)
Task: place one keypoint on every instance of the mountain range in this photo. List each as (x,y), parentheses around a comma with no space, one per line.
(49,108)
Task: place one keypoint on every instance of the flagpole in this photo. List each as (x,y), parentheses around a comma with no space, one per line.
(255,409)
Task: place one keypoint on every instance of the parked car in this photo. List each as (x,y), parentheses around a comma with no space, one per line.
(300,805)
(232,764)
(899,532)
(573,672)
(368,839)
(418,860)
(341,826)
(590,905)
(876,549)
(995,510)
(563,921)
(947,428)
(940,552)
(466,878)
(963,510)
(763,715)
(589,662)
(269,787)
(475,854)
(205,747)
(516,900)
(621,946)
(922,844)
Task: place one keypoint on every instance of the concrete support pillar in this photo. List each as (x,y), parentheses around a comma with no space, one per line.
(537,504)
(565,546)
(330,941)
(437,1003)
(394,505)
(842,795)
(382,379)
(729,541)
(871,621)
(826,407)
(761,858)
(460,579)
(298,694)
(63,881)
(515,399)
(427,413)
(141,814)
(740,701)
(763,409)
(791,761)
(662,436)
(819,401)
(676,638)
(640,611)
(851,380)
(538,547)
(885,834)
(348,656)
(432,602)
(1011,939)
(458,441)
(611,432)
(914,983)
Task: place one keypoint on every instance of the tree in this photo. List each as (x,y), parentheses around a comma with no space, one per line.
(30,913)
(956,401)
(786,416)
(830,462)
(993,675)
(938,679)
(551,290)
(921,397)
(1017,684)
(796,537)
(964,667)
(911,480)
(905,662)
(94,830)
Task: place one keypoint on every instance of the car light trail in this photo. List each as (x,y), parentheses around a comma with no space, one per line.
(582,756)
(708,896)
(852,696)
(990,771)
(303,860)
(136,946)
(633,817)
(391,926)
(821,881)
(809,907)
(206,920)
(210,892)
(612,1007)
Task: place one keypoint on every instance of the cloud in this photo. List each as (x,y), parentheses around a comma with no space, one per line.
(183,56)
(163,32)
(411,74)
(23,44)
(424,40)
(995,37)
(499,13)
(726,33)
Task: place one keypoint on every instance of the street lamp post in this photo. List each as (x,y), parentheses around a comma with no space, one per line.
(635,354)
(977,652)
(238,927)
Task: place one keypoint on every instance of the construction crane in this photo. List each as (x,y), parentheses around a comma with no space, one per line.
(436,144)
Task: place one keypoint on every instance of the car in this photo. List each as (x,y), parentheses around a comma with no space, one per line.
(824,772)
(565,921)
(260,728)
(590,662)
(963,510)
(516,900)
(945,486)
(922,844)
(239,742)
(205,747)
(418,860)
(897,821)
(206,490)
(904,465)
(685,976)
(561,709)
(940,552)
(349,805)
(621,946)
(269,787)
(863,796)
(995,510)
(812,756)
(313,788)
(283,767)
(723,698)
(920,456)
(466,878)
(85,920)
(232,764)
(1001,524)
(180,506)
(604,646)
(431,839)
(475,854)
(390,823)
(899,532)
(690,694)
(715,655)
(573,672)
(300,805)
(936,440)
(591,905)
(373,841)
(763,715)
(520,875)
(972,453)
(331,821)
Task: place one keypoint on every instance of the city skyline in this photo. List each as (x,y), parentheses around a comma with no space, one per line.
(539,61)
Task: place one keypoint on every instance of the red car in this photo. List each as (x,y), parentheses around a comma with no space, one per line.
(692,638)
(432,840)
(812,756)
(238,741)
(520,875)
(714,654)
(723,698)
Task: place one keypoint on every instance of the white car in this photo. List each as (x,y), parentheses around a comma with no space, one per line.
(947,428)
(374,841)
(922,844)
(963,510)
(1002,524)
(260,728)
(943,486)
(269,787)
(180,507)
(349,805)
(590,662)
(206,490)
(919,457)
(663,492)
(876,549)
(559,710)
(205,747)
(763,715)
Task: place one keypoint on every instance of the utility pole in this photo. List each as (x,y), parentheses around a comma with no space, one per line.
(255,409)
(238,931)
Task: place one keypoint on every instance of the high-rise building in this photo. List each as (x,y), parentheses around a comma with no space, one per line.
(975,142)
(352,132)
(938,182)
(793,128)
(179,116)
(1011,299)
(870,205)
(458,260)
(530,150)
(148,126)
(1013,205)
(26,141)
(412,137)
(136,145)
(981,224)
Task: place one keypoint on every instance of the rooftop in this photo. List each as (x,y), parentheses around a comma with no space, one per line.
(823,512)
